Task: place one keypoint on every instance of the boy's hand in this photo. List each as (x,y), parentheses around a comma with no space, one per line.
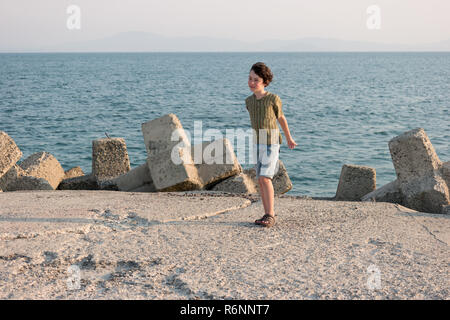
(291,143)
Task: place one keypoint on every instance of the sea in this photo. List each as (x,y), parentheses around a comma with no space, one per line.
(341,108)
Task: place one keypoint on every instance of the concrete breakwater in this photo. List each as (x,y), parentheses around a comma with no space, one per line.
(422,178)
(218,169)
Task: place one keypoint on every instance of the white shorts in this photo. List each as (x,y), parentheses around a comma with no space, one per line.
(267,156)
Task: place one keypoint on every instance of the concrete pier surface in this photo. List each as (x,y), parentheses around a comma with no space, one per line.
(204,245)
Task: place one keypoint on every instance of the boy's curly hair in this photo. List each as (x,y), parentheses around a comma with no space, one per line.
(263,72)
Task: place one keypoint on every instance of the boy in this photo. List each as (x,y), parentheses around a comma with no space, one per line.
(264,109)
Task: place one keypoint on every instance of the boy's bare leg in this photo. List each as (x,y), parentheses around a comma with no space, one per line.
(261,193)
(267,194)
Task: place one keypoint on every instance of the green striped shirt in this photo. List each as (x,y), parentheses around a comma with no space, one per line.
(264,113)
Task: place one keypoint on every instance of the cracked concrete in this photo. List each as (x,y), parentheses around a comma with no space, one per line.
(203,245)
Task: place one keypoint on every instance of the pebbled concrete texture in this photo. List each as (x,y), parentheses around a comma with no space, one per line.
(204,245)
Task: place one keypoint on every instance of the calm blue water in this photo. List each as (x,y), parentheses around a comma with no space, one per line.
(342,108)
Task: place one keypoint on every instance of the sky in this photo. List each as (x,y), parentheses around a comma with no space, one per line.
(25,23)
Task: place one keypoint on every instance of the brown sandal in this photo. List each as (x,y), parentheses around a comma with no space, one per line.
(267,221)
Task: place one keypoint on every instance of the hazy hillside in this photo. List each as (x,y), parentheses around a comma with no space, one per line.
(145,41)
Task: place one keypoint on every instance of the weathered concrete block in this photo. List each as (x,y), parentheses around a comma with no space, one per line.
(9,153)
(240,183)
(86,182)
(355,181)
(174,170)
(413,155)
(446,209)
(445,172)
(388,193)
(215,161)
(109,158)
(43,165)
(150,187)
(420,173)
(73,173)
(135,178)
(13,173)
(159,133)
(281,181)
(426,194)
(29,183)
(169,155)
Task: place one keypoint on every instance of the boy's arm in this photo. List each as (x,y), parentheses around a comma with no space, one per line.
(284,125)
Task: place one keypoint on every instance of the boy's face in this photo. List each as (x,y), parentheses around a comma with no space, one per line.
(255,82)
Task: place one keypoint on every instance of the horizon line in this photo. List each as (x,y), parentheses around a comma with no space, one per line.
(322,51)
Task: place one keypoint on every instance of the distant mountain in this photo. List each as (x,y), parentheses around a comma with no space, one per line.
(145,41)
(436,46)
(135,41)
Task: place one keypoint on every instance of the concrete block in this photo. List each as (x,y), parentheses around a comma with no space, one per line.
(445,172)
(215,161)
(355,182)
(159,133)
(445,209)
(420,173)
(428,193)
(43,165)
(174,170)
(13,173)
(9,153)
(29,183)
(388,193)
(150,187)
(133,179)
(86,182)
(281,181)
(109,158)
(241,183)
(413,155)
(73,172)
